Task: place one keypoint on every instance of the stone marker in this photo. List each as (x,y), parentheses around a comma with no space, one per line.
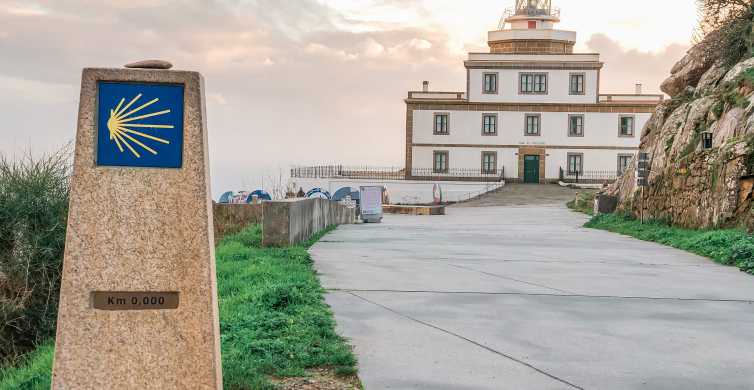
(138,300)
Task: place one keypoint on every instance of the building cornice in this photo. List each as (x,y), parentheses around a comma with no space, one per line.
(512,146)
(537,54)
(528,65)
(623,108)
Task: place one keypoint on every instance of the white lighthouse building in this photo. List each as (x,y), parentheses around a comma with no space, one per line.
(532,110)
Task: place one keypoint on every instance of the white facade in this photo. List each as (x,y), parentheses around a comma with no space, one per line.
(508,86)
(532,84)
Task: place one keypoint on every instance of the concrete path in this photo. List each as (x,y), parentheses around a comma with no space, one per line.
(523,297)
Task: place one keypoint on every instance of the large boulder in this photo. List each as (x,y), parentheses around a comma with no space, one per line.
(689,70)
(711,78)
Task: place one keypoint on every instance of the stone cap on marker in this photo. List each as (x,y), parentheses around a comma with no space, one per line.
(149,64)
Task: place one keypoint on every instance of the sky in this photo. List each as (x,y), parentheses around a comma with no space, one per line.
(296,82)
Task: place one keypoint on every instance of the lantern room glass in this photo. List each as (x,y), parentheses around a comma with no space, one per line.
(533,7)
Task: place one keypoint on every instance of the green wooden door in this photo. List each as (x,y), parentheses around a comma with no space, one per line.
(531,169)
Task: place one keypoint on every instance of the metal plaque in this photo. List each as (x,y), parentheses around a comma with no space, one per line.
(105,300)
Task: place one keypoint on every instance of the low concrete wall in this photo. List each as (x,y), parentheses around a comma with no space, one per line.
(292,221)
(232,218)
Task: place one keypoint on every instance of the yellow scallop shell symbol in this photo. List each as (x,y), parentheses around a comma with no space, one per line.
(122,129)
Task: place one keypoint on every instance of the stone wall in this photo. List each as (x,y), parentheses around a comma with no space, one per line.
(293,221)
(689,185)
(232,218)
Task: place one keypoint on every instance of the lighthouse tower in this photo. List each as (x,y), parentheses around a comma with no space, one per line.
(529,28)
(532,110)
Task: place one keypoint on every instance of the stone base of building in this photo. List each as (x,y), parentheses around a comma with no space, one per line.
(531,46)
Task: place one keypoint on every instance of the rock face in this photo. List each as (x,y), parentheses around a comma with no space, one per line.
(690,185)
(689,70)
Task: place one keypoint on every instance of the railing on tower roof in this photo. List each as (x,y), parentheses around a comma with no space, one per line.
(511,12)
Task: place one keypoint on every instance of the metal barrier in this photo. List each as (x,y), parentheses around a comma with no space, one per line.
(588,177)
(381,173)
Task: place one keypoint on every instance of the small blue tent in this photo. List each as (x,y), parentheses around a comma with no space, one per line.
(226,197)
(318,193)
(342,193)
(261,194)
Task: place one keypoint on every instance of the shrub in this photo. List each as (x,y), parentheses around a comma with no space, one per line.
(726,26)
(33,214)
(742,254)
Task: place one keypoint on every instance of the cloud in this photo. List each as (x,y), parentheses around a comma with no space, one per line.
(625,67)
(29,9)
(288,82)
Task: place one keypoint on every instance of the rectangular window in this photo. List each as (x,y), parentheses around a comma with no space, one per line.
(489,162)
(442,124)
(440,162)
(575,125)
(489,124)
(706,140)
(626,126)
(533,125)
(575,164)
(577,83)
(624,160)
(533,83)
(490,83)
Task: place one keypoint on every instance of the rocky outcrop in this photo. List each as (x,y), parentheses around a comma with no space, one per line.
(690,185)
(688,72)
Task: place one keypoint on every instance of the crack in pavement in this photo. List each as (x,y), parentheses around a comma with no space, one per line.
(480,345)
(509,278)
(352,290)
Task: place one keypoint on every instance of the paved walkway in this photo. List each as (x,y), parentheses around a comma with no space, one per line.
(523,297)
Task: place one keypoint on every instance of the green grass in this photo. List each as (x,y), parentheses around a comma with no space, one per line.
(725,246)
(273,319)
(33,373)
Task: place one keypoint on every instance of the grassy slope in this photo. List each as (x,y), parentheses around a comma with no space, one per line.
(726,246)
(273,319)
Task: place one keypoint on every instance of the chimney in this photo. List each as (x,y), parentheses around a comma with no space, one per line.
(425,86)
(639,88)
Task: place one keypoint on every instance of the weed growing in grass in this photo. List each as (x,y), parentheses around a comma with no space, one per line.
(728,246)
